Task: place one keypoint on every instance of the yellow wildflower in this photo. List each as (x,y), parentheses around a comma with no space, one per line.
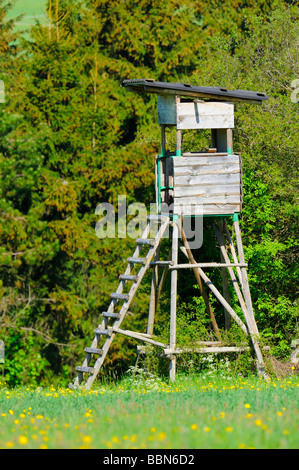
(23,440)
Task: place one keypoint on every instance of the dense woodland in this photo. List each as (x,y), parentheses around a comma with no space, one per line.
(72,137)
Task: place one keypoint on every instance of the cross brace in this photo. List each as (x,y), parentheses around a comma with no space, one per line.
(106,331)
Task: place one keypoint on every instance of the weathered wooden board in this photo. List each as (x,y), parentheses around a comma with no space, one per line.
(204,183)
(208,191)
(207,185)
(205,160)
(206,179)
(210,115)
(185,171)
(195,114)
(220,199)
(206,209)
(205,154)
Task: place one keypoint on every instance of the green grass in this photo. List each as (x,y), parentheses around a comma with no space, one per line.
(193,413)
(31,9)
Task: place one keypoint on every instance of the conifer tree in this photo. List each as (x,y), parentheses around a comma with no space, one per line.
(72,137)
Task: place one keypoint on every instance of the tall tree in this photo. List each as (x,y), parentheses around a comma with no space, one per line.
(72,137)
(265,58)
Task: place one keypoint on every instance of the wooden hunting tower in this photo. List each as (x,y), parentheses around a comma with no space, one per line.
(200,184)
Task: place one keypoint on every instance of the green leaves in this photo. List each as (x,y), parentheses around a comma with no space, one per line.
(72,137)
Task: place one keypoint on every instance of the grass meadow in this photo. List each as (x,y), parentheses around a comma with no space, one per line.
(31,10)
(192,413)
(195,412)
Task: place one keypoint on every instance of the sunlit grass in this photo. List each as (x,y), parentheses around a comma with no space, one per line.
(30,10)
(188,414)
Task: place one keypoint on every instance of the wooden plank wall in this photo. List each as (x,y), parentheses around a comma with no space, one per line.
(198,115)
(195,114)
(207,183)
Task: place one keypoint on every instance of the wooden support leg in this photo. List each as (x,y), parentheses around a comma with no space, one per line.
(245,277)
(201,287)
(178,134)
(173,300)
(229,140)
(233,277)
(248,317)
(163,278)
(225,285)
(253,325)
(153,296)
(233,252)
(222,300)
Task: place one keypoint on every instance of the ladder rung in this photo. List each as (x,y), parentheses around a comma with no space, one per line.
(137,260)
(128,277)
(94,351)
(111,315)
(163,263)
(99,331)
(85,369)
(115,295)
(146,241)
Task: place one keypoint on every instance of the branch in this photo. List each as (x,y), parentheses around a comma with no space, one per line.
(47,338)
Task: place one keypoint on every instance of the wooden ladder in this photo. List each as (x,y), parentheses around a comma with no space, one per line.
(105,330)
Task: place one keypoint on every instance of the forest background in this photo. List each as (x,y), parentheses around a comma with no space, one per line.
(72,137)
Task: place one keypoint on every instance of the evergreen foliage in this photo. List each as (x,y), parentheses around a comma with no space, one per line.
(72,137)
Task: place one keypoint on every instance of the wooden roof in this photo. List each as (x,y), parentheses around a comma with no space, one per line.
(184,89)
